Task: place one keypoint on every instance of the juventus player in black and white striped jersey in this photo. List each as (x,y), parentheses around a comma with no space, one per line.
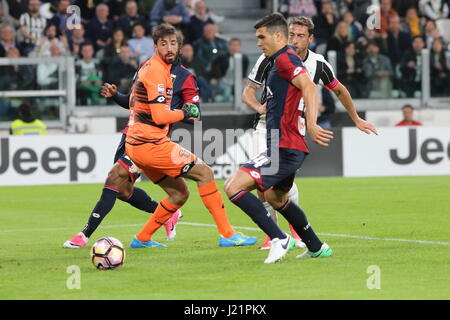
(300,35)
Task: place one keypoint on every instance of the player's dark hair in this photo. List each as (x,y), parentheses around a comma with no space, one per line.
(407,106)
(273,22)
(162,30)
(303,21)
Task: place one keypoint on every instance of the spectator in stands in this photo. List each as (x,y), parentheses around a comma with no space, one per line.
(170,11)
(59,19)
(121,69)
(325,24)
(355,28)
(99,29)
(75,39)
(118,40)
(408,117)
(413,23)
(430,33)
(439,71)
(188,60)
(434,9)
(194,30)
(357,7)
(296,8)
(27,124)
(411,68)
(399,42)
(7,39)
(89,76)
(326,107)
(51,37)
(32,25)
(372,35)
(47,73)
(402,6)
(5,18)
(339,39)
(87,8)
(14,9)
(130,18)
(17,77)
(140,45)
(378,72)
(350,71)
(222,72)
(190,4)
(209,47)
(386,14)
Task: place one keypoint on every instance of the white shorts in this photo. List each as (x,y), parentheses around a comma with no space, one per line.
(259,139)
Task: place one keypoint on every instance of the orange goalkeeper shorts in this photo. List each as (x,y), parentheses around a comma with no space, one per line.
(160,160)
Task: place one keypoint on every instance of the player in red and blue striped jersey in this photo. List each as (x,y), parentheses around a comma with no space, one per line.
(289,88)
(121,178)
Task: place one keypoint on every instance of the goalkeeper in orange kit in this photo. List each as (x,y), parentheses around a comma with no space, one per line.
(163,161)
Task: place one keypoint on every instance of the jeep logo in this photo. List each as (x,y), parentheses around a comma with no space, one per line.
(53,160)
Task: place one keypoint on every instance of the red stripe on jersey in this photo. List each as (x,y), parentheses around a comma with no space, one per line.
(190,91)
(289,123)
(333,84)
(286,68)
(124,130)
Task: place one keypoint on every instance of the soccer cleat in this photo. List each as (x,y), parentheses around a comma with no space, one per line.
(279,249)
(238,239)
(299,243)
(324,252)
(78,241)
(267,244)
(135,244)
(170,225)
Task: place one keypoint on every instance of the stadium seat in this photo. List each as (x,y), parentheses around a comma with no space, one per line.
(444,28)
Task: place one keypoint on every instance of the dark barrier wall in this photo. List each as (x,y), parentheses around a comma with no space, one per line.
(322,161)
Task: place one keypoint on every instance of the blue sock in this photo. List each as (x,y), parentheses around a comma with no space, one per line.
(254,208)
(141,200)
(297,218)
(102,208)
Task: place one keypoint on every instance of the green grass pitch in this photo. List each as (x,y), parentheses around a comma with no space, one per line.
(381,213)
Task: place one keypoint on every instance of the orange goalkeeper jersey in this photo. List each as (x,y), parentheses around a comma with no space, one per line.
(150,114)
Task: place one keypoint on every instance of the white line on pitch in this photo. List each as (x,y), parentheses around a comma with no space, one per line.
(241,228)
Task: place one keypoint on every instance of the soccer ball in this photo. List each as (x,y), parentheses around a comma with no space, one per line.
(107,253)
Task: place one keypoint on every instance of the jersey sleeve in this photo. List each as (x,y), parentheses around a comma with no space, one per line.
(259,70)
(156,87)
(289,66)
(327,76)
(189,90)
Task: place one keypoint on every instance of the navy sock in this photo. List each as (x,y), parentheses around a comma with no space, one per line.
(297,218)
(254,208)
(102,208)
(141,200)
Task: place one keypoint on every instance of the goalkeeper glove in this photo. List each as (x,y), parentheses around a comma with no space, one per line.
(191,111)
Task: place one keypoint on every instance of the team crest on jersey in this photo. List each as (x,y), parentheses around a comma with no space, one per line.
(185,153)
(160,89)
(169,93)
(255,174)
(173,77)
(196,98)
(297,70)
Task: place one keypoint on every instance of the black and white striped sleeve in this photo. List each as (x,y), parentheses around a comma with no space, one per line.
(326,74)
(259,72)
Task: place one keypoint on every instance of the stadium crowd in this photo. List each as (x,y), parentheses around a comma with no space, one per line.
(114,37)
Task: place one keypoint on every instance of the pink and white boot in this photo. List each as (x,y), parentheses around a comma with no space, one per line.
(78,241)
(170,225)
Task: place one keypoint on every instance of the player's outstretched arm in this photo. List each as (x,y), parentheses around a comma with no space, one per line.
(317,133)
(110,91)
(249,98)
(345,98)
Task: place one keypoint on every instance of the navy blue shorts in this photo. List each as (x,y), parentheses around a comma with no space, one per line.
(124,160)
(268,171)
